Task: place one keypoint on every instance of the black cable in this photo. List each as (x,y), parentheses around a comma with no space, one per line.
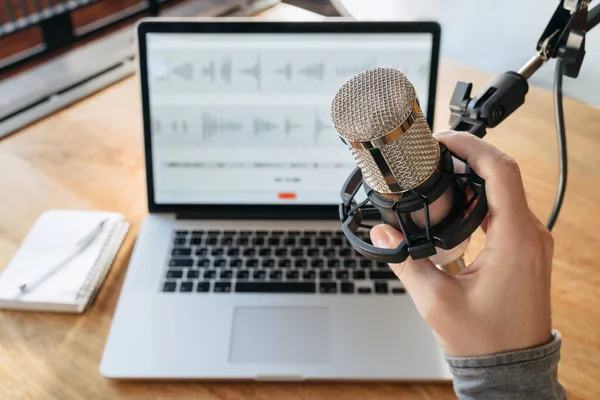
(561,137)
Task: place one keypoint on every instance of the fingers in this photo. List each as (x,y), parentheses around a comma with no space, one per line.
(421,278)
(504,186)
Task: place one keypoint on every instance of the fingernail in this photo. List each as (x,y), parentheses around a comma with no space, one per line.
(382,241)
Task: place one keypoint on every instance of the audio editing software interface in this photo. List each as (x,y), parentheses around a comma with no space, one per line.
(244,118)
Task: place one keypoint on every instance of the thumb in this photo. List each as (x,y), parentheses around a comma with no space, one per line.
(423,280)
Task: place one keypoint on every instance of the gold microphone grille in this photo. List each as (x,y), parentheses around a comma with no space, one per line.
(371,105)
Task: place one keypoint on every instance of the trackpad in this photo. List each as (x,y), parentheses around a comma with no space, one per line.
(280,335)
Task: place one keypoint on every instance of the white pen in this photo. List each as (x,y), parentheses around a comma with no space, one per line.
(81,244)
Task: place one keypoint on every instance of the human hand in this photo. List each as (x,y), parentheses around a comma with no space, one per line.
(501,302)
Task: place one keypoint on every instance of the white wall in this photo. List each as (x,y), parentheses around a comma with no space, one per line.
(469,30)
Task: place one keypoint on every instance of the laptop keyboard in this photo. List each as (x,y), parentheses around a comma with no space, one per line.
(273,262)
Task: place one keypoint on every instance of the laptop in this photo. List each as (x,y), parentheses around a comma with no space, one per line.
(240,270)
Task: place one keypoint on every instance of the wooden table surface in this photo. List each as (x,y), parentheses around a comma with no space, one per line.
(89,156)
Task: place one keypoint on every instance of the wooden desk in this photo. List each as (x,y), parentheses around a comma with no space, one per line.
(90,157)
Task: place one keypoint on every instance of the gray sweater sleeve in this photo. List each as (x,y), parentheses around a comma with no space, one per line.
(519,375)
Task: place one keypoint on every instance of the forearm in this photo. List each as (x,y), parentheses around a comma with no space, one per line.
(530,374)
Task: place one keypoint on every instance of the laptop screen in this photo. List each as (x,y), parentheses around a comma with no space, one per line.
(244,118)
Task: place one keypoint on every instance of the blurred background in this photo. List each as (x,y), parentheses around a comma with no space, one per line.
(72,48)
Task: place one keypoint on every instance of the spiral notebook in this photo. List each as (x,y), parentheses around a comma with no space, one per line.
(63,261)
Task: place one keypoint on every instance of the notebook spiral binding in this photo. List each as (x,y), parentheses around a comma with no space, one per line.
(96,276)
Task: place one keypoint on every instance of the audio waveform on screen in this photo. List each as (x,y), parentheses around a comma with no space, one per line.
(355,69)
(254,70)
(314,71)
(212,127)
(286,71)
(184,71)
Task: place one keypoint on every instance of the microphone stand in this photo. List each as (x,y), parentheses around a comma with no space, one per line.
(564,39)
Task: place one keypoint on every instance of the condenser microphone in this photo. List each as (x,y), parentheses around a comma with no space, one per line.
(408,176)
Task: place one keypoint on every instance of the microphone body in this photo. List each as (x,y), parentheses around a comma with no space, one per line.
(407,175)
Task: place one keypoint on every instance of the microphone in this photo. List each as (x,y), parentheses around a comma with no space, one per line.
(408,177)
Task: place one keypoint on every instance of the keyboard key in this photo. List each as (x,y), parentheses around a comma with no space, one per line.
(292,275)
(274,241)
(243,274)
(277,233)
(265,252)
(342,275)
(349,263)
(181,233)
(381,287)
(309,275)
(249,252)
(300,263)
(262,233)
(198,233)
(186,287)
(328,287)
(213,233)
(252,263)
(227,241)
(285,263)
(305,241)
(383,275)
(226,274)
(275,287)
(211,241)
(310,233)
(335,263)
(347,287)
(359,275)
(178,241)
(203,262)
(312,252)
(294,233)
(228,233)
(381,265)
(202,252)
(259,241)
(234,252)
(210,274)
(398,290)
(325,275)
(268,263)
(219,262)
(245,233)
(328,252)
(169,286)
(297,252)
(196,241)
(366,263)
(203,287)
(180,251)
(289,241)
(242,241)
(181,262)
(337,241)
(281,252)
(321,241)
(217,252)
(345,252)
(364,290)
(317,263)
(259,274)
(276,275)
(222,287)
(235,263)
(193,274)
(326,233)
